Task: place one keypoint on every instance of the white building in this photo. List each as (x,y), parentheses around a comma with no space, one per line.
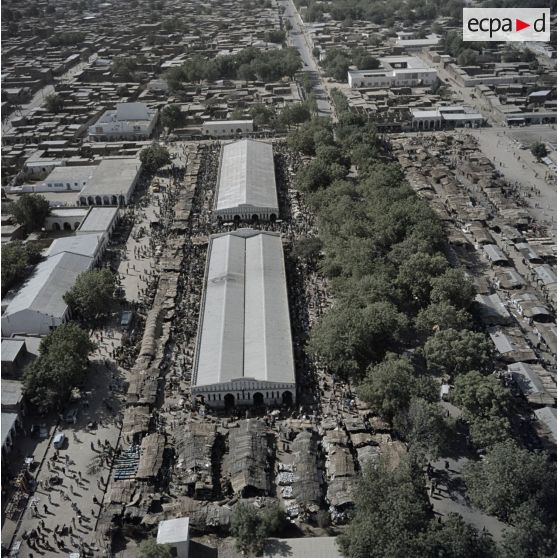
(175,533)
(127,121)
(445,117)
(412,41)
(244,353)
(227,128)
(396,71)
(113,183)
(99,220)
(67,178)
(91,245)
(65,218)
(246,188)
(39,307)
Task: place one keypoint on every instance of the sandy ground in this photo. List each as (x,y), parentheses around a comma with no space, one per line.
(537,180)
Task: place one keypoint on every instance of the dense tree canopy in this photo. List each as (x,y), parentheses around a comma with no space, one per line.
(155,157)
(423,426)
(92,293)
(16,259)
(172,117)
(510,477)
(454,352)
(248,64)
(389,386)
(439,316)
(30,210)
(61,365)
(251,527)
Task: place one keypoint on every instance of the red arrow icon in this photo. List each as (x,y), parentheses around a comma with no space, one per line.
(520,25)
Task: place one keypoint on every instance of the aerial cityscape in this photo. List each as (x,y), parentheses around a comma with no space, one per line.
(278,280)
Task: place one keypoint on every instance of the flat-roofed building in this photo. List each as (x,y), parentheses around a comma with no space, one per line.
(395,71)
(227,128)
(113,182)
(127,121)
(99,220)
(65,218)
(244,353)
(67,178)
(246,187)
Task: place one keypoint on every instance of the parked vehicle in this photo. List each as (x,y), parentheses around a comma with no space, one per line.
(59,440)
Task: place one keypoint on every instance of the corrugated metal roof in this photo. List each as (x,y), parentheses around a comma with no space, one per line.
(494,253)
(247,176)
(244,327)
(527,380)
(83,245)
(52,279)
(546,274)
(11,349)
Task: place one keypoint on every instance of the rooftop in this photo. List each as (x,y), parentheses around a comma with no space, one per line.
(53,277)
(12,393)
(83,244)
(173,531)
(247,176)
(98,219)
(244,329)
(113,177)
(11,349)
(71,174)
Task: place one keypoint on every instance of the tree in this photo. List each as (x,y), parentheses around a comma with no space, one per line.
(124,67)
(263,115)
(439,316)
(389,386)
(54,103)
(150,549)
(531,536)
(313,176)
(487,431)
(510,477)
(274,36)
(539,150)
(336,64)
(16,259)
(308,248)
(468,57)
(454,352)
(31,210)
(454,538)
(415,275)
(251,527)
(61,366)
(453,287)
(155,157)
(391,513)
(347,339)
(481,396)
(171,117)
(423,427)
(92,293)
(365,61)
